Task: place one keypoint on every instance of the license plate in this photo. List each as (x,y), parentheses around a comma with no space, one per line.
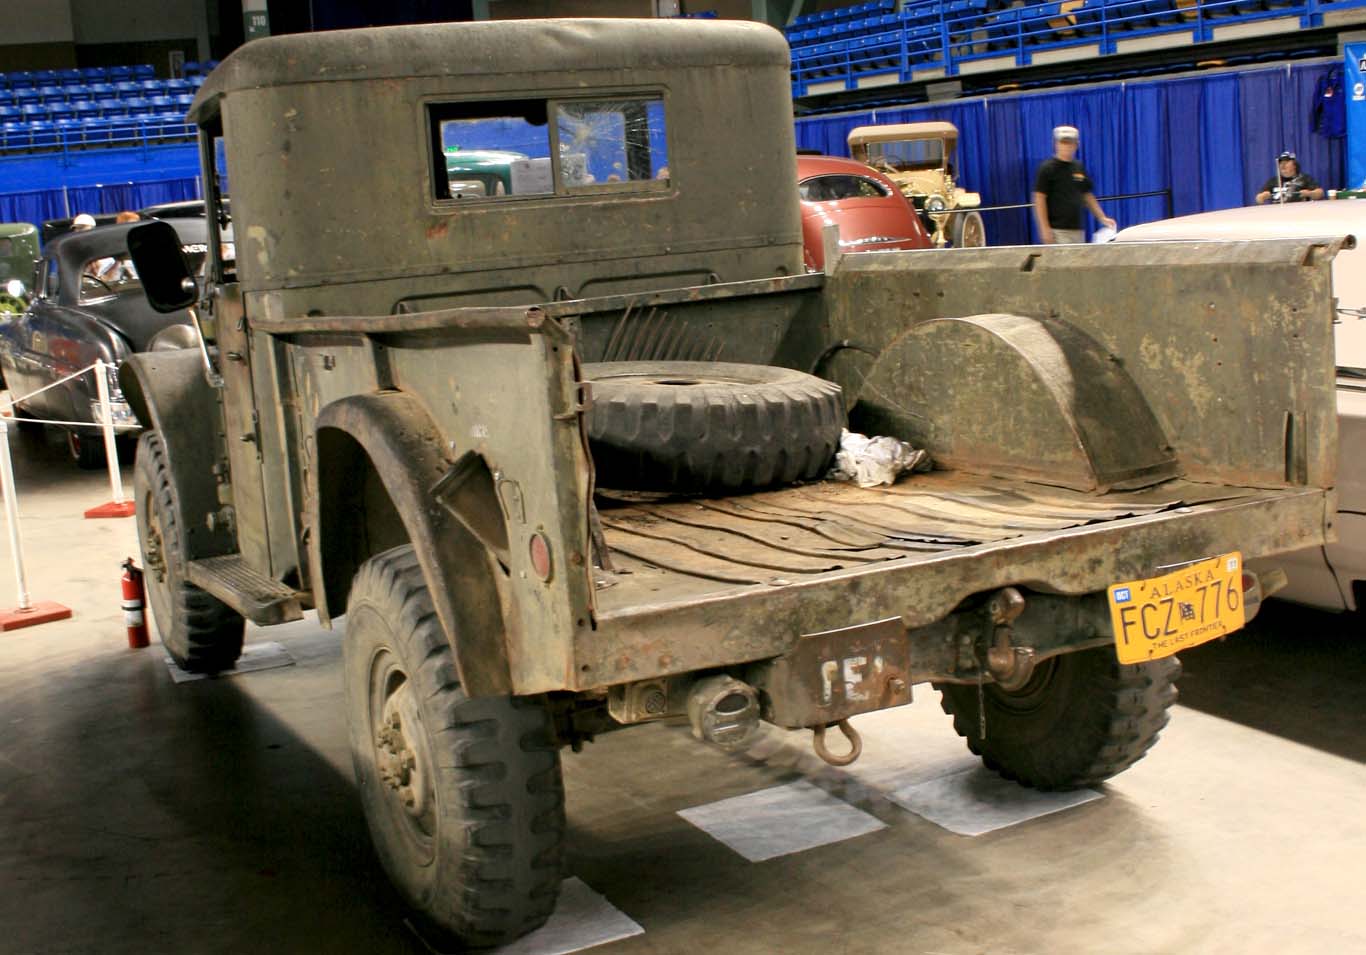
(1157,617)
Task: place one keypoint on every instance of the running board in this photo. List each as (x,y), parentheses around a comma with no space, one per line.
(257,597)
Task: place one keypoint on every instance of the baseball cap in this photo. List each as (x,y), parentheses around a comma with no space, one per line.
(1065,132)
(1286,154)
(83,221)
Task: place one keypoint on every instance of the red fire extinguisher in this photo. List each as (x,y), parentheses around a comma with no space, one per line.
(134,600)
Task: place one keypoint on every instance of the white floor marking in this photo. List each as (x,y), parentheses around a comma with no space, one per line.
(782,820)
(978,801)
(255,656)
(582,919)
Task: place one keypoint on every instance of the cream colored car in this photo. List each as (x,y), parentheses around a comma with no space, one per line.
(918,157)
(1332,577)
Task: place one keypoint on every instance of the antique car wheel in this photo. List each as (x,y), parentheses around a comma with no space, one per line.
(200,632)
(463,797)
(87,450)
(1080,719)
(968,231)
(699,426)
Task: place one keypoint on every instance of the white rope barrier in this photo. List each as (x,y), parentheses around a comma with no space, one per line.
(105,424)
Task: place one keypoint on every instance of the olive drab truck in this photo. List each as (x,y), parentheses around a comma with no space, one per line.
(546,438)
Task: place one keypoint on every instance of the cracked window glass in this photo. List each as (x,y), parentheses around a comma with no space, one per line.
(604,142)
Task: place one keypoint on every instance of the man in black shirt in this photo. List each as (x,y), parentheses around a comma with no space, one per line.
(1289,184)
(1061,189)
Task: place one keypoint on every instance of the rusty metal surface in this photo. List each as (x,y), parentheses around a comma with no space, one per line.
(674,606)
(831,676)
(1229,344)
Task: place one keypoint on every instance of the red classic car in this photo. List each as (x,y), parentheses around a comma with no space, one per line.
(869,209)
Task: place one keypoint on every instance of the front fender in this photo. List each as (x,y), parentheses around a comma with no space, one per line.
(167,391)
(391,436)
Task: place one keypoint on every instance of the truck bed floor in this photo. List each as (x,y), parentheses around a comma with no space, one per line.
(667,549)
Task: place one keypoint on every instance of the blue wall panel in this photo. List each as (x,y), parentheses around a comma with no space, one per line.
(1211,140)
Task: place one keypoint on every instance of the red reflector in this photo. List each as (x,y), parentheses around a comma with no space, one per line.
(540,556)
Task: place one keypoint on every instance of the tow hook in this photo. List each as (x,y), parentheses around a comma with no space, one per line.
(1010,666)
(851,734)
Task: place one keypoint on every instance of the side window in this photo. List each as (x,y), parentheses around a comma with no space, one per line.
(610,141)
(491,149)
(494,149)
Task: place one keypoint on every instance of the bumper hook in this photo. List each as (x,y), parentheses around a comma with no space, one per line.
(851,734)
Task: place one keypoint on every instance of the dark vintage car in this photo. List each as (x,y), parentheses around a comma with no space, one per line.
(867,206)
(88,304)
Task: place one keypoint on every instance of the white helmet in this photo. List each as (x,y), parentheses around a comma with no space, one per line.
(1066,132)
(82,222)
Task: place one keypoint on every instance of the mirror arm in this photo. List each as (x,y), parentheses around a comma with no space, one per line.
(211,374)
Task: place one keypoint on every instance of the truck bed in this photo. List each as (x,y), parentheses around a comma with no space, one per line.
(748,574)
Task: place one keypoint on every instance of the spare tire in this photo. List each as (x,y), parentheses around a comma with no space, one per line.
(709,426)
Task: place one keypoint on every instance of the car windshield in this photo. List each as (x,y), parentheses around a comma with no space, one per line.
(832,188)
(907,154)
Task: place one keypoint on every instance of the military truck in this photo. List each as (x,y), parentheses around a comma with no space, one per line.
(556,456)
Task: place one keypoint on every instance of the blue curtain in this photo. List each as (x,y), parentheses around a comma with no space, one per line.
(44,204)
(1210,140)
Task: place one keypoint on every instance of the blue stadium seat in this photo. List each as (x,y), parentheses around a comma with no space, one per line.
(42,134)
(192,68)
(13,135)
(100,90)
(198,81)
(144,71)
(77,93)
(10,114)
(95,74)
(111,107)
(45,77)
(136,106)
(85,109)
(6,96)
(150,87)
(60,111)
(127,88)
(69,75)
(178,86)
(20,79)
(184,100)
(118,74)
(49,94)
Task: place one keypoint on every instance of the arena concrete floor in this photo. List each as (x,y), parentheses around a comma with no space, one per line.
(141,815)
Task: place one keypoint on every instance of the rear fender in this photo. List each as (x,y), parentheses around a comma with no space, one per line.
(386,465)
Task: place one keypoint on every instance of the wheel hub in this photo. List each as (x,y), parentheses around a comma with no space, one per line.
(400,769)
(152,556)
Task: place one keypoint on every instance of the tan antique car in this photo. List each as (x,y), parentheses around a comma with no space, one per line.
(918,157)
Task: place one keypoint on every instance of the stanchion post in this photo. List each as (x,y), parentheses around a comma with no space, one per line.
(16,546)
(111,450)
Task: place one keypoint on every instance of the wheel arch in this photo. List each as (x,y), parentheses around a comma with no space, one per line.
(384,456)
(169,394)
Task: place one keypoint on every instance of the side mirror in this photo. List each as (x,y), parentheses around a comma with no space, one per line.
(165,274)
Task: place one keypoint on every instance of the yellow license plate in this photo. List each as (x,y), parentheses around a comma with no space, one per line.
(1157,617)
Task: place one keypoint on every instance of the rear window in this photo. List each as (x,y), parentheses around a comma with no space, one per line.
(832,188)
(491,150)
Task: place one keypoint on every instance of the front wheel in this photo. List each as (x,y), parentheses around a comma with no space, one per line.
(463,797)
(200,632)
(968,231)
(1080,719)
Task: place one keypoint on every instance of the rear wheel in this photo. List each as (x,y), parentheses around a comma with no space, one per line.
(463,797)
(199,631)
(87,450)
(1080,719)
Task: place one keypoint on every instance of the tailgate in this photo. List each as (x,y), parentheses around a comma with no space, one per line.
(706,583)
